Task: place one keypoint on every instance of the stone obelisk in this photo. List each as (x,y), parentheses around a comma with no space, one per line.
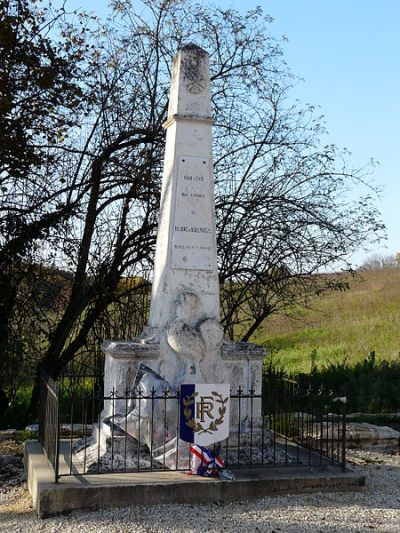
(186,256)
(185,295)
(184,340)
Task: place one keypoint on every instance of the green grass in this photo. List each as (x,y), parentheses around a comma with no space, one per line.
(342,326)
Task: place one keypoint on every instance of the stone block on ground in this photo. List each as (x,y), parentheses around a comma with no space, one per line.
(358,434)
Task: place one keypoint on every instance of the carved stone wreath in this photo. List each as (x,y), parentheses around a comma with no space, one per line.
(195,86)
(197,427)
(193,77)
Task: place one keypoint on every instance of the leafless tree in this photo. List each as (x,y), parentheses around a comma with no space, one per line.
(284,211)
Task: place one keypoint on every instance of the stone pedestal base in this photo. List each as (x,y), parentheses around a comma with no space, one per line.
(239,364)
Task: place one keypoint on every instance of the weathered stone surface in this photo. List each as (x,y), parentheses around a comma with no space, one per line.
(119,490)
(136,349)
(186,256)
(122,360)
(358,435)
(392,416)
(365,435)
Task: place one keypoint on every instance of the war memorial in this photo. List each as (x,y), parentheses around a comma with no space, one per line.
(181,386)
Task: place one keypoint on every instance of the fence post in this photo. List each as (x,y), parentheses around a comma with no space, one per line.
(343,401)
(57,451)
(49,420)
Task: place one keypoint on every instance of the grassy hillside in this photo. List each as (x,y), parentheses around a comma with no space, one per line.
(341,326)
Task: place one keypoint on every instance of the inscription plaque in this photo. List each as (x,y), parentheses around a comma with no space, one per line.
(193,236)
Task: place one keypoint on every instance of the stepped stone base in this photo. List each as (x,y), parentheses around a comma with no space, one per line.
(93,492)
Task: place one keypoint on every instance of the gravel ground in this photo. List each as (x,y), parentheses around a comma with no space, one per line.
(375,509)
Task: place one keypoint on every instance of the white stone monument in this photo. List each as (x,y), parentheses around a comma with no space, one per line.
(184,340)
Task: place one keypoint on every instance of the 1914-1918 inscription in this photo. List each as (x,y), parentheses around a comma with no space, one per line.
(193,245)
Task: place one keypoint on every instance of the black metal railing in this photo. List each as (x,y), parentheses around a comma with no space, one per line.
(49,429)
(313,418)
(84,432)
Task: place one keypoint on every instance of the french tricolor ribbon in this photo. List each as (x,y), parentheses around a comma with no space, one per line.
(203,462)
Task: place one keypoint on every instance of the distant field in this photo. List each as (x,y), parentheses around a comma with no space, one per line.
(342,325)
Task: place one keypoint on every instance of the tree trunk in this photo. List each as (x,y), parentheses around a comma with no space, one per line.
(7,300)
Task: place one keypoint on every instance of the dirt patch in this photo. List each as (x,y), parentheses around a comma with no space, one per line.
(11,462)
(14,502)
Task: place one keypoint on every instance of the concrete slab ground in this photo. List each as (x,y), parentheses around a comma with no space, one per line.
(102,491)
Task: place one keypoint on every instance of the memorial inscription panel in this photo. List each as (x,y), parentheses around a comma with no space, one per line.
(193,233)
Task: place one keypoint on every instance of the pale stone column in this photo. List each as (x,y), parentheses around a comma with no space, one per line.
(186,256)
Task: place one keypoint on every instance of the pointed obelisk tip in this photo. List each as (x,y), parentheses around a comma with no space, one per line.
(191,47)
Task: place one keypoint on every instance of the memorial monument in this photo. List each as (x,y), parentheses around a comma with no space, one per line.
(184,341)
(183,344)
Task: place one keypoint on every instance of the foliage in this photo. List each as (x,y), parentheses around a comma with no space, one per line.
(81,391)
(14,416)
(370,386)
(42,91)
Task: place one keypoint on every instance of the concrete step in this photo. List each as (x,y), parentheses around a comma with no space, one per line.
(93,492)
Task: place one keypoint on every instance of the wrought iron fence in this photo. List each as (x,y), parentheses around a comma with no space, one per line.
(313,418)
(49,431)
(85,432)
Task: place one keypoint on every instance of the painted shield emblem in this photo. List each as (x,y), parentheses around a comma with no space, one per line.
(204,413)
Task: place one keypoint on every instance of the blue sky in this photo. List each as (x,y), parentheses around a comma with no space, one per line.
(348,53)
